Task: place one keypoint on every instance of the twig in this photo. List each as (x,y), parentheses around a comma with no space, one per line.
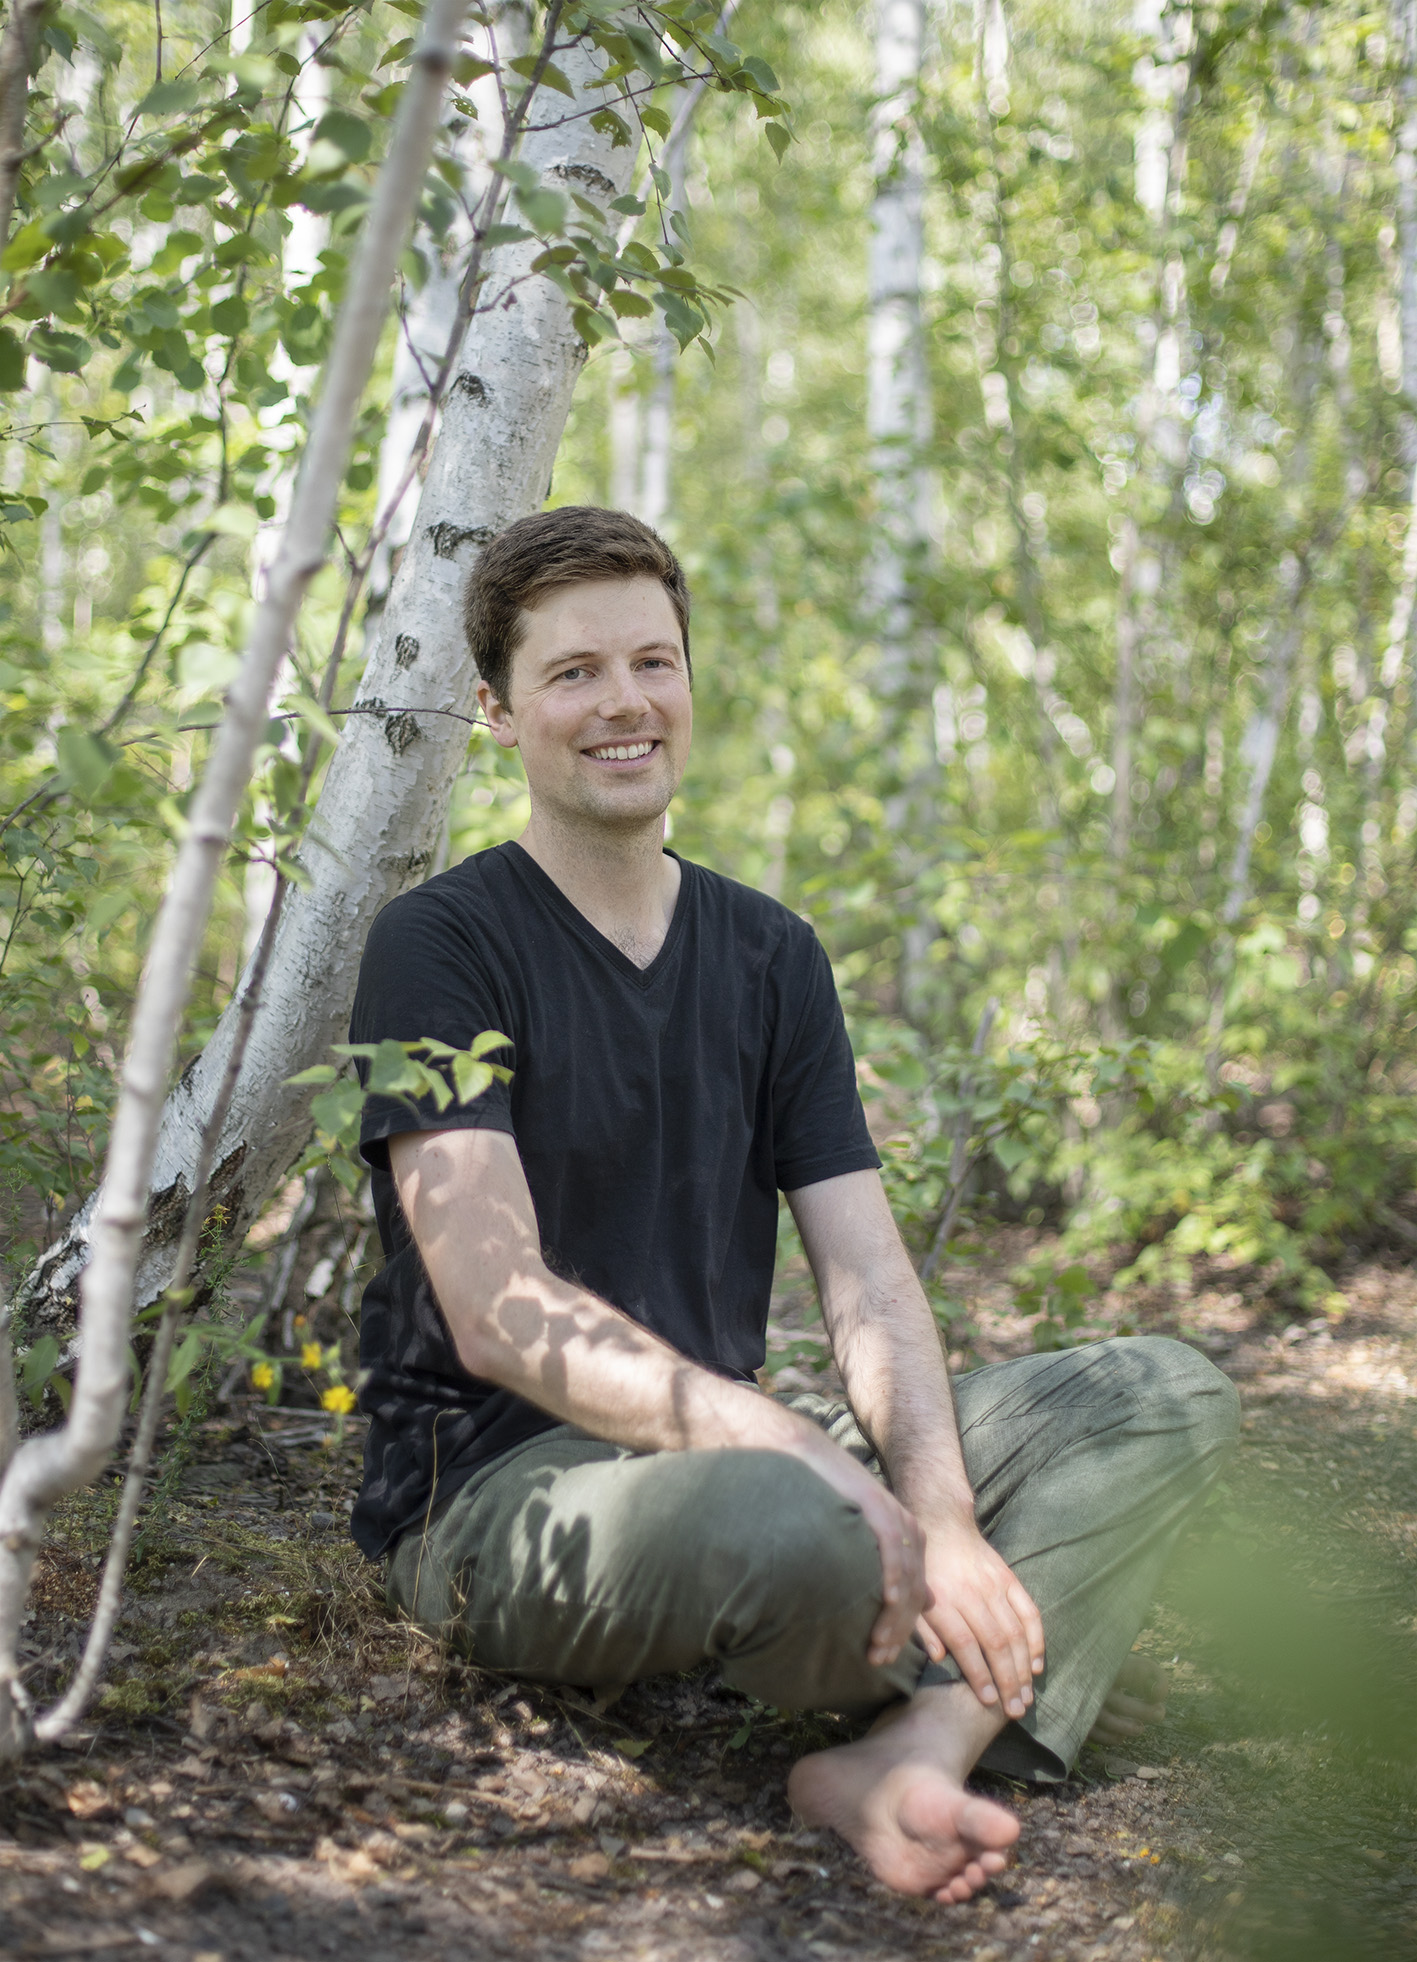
(960,1163)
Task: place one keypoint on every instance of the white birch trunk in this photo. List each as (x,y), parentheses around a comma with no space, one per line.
(898,398)
(432,312)
(44,1468)
(1260,743)
(377,823)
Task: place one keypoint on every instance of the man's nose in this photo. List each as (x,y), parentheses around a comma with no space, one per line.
(621,695)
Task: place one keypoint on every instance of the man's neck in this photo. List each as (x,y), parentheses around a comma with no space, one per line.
(621,880)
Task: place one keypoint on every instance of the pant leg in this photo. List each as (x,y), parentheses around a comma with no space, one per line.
(575,1561)
(1085,1465)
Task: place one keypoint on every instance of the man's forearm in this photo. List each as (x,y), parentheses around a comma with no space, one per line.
(563,1348)
(888,1351)
(584,1361)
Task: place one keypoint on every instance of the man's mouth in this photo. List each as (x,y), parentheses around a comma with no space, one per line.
(621,752)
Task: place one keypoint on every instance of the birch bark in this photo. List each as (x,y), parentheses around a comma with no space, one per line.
(898,399)
(44,1468)
(377,823)
(898,421)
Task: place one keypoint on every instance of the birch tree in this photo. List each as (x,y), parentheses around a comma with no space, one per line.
(502,405)
(898,422)
(43,1469)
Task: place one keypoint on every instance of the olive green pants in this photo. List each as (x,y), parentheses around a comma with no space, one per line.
(571,1560)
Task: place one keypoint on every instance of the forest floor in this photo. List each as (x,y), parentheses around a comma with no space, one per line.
(274,1768)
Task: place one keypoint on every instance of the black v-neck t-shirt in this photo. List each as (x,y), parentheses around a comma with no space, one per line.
(657,1111)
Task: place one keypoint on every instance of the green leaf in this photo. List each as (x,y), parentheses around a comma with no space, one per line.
(84,760)
(761,74)
(469,1078)
(12,361)
(626,304)
(234,521)
(307,710)
(66,354)
(337,1111)
(350,135)
(169,98)
(606,123)
(632,1747)
(317,1073)
(545,210)
(552,76)
(29,245)
(778,137)
(655,119)
(1184,946)
(38,1367)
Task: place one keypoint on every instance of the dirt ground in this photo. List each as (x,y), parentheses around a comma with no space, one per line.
(273,1768)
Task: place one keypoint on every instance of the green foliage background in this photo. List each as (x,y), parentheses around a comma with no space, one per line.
(1159,1081)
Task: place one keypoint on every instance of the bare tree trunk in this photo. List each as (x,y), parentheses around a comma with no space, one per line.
(46,1467)
(376,826)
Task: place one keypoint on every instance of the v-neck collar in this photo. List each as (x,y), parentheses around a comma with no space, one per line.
(537,876)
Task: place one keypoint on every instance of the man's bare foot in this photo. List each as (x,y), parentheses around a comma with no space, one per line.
(898,1796)
(1135,1701)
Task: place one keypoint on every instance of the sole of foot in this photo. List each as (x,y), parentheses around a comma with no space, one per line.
(918,1829)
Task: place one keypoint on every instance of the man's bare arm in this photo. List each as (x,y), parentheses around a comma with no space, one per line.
(514,1323)
(888,1351)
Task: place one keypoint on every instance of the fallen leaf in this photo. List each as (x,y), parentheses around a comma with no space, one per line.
(88,1800)
(183,1883)
(94,1857)
(589,1866)
(142,1856)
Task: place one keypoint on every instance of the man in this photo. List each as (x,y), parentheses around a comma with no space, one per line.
(569,1463)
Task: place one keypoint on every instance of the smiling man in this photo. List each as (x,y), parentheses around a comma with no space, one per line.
(570,1467)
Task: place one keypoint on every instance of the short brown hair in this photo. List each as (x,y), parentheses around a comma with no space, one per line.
(536,555)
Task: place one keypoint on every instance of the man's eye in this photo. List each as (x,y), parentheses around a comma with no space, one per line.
(571,674)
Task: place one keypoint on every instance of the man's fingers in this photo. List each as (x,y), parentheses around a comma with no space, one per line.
(959,1640)
(1021,1601)
(928,1639)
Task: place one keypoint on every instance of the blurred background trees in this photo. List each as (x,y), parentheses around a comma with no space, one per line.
(1049,507)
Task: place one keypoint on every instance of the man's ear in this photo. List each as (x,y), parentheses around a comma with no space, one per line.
(499,716)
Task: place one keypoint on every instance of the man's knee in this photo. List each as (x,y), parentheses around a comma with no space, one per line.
(1178,1389)
(799,1549)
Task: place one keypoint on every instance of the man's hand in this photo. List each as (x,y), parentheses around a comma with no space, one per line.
(982,1615)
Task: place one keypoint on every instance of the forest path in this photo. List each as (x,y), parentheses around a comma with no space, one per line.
(276,1770)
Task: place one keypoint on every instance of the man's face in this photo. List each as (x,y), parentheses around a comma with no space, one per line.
(600,705)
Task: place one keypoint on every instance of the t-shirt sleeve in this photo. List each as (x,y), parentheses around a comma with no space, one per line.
(819,1127)
(423,976)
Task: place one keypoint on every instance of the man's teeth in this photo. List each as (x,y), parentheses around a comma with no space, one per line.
(623,752)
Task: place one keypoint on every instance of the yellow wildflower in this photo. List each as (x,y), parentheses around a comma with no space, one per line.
(310,1355)
(339,1397)
(262,1376)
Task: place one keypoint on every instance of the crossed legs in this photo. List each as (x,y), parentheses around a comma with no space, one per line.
(574,1561)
